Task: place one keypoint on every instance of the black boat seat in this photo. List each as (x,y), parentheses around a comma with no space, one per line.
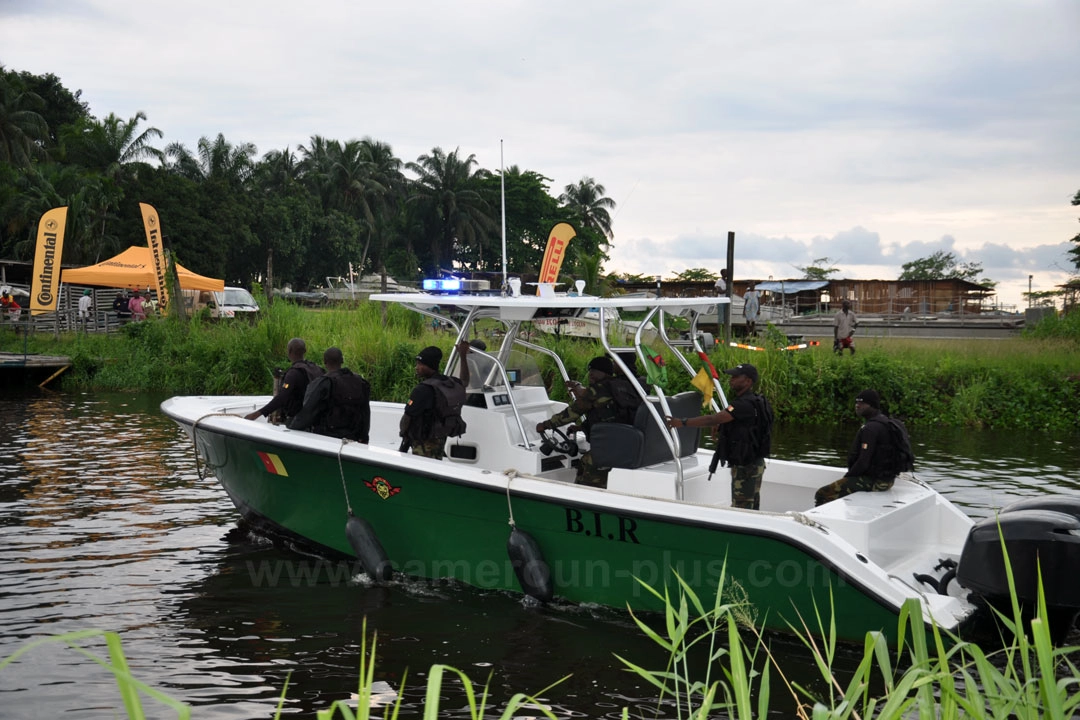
(618,445)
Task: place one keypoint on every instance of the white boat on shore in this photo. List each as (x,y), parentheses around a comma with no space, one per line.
(341,289)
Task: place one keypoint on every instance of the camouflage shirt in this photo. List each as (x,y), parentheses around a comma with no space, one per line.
(597,404)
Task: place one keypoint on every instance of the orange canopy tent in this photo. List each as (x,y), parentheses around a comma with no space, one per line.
(134,268)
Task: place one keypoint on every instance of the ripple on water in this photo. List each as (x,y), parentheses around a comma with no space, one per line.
(104,523)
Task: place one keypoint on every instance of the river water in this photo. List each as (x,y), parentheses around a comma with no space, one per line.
(105,524)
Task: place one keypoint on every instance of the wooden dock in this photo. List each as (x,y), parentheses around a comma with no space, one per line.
(18,370)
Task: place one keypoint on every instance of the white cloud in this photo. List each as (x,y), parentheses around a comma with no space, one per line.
(870,133)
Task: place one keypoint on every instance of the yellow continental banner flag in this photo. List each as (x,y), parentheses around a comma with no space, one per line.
(703,382)
(50,246)
(559,237)
(157,252)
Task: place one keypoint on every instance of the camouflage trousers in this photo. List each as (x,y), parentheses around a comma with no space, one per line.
(430,448)
(589,474)
(746,485)
(847,485)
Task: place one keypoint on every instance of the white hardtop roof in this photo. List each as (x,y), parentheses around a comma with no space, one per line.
(531,303)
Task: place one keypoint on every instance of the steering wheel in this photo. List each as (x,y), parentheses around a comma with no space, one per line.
(556,440)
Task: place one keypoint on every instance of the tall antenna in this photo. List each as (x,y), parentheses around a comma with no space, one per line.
(502,192)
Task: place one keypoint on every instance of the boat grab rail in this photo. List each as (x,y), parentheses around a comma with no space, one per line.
(509,393)
(669,434)
(435,315)
(462,329)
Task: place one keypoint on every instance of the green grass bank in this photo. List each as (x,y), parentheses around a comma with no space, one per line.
(1030,382)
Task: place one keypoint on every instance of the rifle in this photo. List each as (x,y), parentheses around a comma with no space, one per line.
(719,456)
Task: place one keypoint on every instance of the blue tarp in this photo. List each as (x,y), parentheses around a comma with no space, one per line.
(790,286)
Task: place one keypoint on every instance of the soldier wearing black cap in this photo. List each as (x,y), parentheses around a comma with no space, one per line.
(433,412)
(337,404)
(290,398)
(606,399)
(744,436)
(870,460)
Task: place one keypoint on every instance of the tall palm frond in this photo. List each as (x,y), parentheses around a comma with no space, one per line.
(586,202)
(22,129)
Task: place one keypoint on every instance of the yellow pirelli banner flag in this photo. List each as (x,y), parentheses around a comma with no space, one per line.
(157,252)
(559,237)
(45,284)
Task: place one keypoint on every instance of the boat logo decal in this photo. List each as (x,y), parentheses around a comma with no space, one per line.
(273,464)
(382,488)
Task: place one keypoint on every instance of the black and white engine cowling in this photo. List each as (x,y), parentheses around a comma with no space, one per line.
(1041,537)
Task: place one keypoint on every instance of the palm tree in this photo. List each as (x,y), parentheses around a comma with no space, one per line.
(278,171)
(123,144)
(316,163)
(385,191)
(22,129)
(587,204)
(448,191)
(217,159)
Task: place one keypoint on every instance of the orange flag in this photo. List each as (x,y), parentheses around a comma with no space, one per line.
(559,237)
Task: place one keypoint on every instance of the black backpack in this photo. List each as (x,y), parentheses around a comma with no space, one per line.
(902,457)
(450,397)
(762,434)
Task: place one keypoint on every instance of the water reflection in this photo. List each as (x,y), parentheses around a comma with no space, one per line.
(104,523)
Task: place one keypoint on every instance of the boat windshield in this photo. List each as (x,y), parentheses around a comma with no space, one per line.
(521,370)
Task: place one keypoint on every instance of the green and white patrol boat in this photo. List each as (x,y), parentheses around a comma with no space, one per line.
(502,510)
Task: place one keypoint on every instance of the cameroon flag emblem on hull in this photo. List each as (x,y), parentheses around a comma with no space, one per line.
(273,464)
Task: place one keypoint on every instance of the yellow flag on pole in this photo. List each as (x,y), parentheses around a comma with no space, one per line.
(50,246)
(559,237)
(703,382)
(157,252)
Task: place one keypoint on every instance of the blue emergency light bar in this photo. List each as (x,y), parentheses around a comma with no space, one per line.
(442,285)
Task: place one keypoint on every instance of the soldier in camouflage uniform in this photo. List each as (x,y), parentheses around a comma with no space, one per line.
(869,466)
(746,422)
(593,404)
(421,428)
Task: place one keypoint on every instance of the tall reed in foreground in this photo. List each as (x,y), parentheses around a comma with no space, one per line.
(129,687)
(926,675)
(931,676)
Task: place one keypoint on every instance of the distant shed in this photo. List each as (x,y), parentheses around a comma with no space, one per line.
(873,297)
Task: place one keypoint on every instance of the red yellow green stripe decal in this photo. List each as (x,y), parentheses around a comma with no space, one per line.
(273,464)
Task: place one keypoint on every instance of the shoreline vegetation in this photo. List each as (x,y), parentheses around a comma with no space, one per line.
(1030,382)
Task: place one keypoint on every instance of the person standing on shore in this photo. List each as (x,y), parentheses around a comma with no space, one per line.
(10,308)
(85,304)
(751,306)
(120,307)
(844,324)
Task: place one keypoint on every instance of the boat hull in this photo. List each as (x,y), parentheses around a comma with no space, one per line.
(435,525)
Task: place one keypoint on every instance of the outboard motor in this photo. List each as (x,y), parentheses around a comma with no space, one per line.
(1040,535)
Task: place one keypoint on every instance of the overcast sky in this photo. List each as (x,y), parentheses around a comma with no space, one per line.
(870,132)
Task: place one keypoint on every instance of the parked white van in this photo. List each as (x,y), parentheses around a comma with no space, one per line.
(228,303)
